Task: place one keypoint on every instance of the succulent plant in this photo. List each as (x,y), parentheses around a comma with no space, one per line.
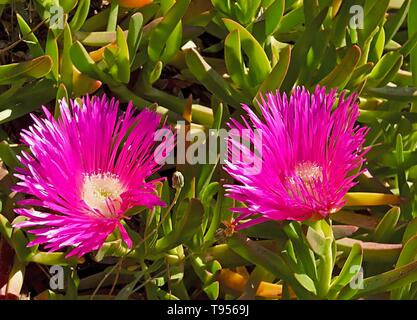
(197,62)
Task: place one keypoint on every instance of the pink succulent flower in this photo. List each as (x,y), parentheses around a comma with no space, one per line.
(85,170)
(307,155)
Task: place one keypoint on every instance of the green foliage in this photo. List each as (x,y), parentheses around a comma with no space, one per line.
(222,53)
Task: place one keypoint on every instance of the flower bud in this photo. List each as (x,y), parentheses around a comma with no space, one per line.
(177,180)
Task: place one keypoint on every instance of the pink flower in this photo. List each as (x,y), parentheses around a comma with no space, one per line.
(85,170)
(306,158)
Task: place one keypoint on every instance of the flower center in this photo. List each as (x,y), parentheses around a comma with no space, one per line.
(307,171)
(102,192)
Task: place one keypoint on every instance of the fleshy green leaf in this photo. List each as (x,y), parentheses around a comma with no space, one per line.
(389,280)
(350,269)
(259,66)
(35,68)
(183,229)
(386,226)
(211,79)
(372,251)
(80,15)
(341,74)
(274,80)
(134,35)
(161,33)
(30,39)
(123,63)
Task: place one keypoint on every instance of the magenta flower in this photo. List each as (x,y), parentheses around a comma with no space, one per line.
(85,171)
(306,156)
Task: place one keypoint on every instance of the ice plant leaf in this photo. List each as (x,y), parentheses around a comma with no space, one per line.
(259,66)
(409,46)
(67,68)
(173,43)
(83,84)
(374,15)
(19,243)
(86,64)
(356,219)
(87,169)
(350,269)
(233,59)
(54,259)
(82,59)
(134,35)
(6,229)
(306,282)
(68,5)
(61,94)
(390,63)
(184,229)
(404,94)
(372,251)
(340,75)
(211,79)
(273,15)
(370,199)
(301,48)
(30,39)
(389,280)
(161,33)
(123,58)
(8,156)
(27,99)
(51,49)
(377,45)
(410,231)
(386,227)
(96,39)
(269,260)
(16,277)
(206,196)
(316,241)
(35,68)
(153,75)
(292,19)
(360,74)
(212,290)
(341,231)
(408,254)
(80,15)
(126,291)
(274,80)
(412,30)
(216,217)
(394,22)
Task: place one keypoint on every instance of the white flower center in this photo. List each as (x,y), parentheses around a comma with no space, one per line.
(307,171)
(102,192)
